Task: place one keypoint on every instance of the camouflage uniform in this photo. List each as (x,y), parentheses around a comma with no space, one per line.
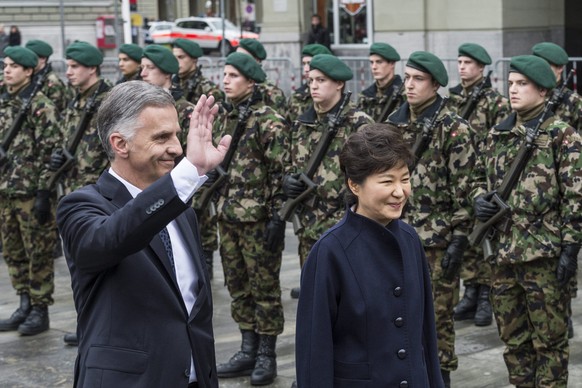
(439,207)
(546,214)
(90,156)
(249,197)
(27,245)
(373,99)
(491,109)
(570,109)
(184,109)
(54,88)
(273,96)
(329,204)
(133,77)
(298,103)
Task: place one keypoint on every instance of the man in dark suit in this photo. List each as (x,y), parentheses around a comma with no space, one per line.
(132,246)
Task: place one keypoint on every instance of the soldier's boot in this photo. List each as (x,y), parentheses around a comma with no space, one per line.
(36,322)
(209,262)
(18,316)
(570,328)
(71,339)
(266,366)
(446,378)
(467,307)
(295,291)
(484,314)
(242,362)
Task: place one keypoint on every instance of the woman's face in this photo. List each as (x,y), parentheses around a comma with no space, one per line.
(382,196)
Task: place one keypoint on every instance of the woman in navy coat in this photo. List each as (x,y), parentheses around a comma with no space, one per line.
(365,316)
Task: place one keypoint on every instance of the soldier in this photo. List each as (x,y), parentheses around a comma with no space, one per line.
(301,100)
(482,106)
(194,84)
(27,224)
(129,62)
(53,87)
(327,82)
(387,87)
(535,248)
(251,232)
(273,96)
(439,207)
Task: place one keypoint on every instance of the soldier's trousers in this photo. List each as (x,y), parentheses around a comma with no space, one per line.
(208,229)
(475,270)
(252,274)
(530,310)
(28,249)
(305,245)
(445,297)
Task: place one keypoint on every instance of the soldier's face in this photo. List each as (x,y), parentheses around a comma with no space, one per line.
(305,61)
(322,88)
(127,66)
(152,151)
(78,75)
(186,62)
(236,85)
(523,93)
(469,69)
(382,70)
(15,76)
(152,74)
(419,85)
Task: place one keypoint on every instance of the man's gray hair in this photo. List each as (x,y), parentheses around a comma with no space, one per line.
(119,112)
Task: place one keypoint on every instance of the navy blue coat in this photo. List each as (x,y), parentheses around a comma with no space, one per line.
(365,316)
(133,326)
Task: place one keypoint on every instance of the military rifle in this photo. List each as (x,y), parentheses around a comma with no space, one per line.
(391,103)
(222,169)
(288,212)
(476,96)
(71,149)
(424,138)
(20,117)
(484,231)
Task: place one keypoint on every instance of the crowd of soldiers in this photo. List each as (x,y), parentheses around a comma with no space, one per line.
(506,165)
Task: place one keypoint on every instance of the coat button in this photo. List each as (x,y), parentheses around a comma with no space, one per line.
(187,372)
(404,384)
(402,354)
(397,291)
(399,322)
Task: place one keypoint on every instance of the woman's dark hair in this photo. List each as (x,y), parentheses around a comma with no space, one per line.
(374,148)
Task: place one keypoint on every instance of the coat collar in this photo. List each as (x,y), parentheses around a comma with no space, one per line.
(402,115)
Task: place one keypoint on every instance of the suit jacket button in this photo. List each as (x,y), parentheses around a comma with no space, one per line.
(399,322)
(397,291)
(403,384)
(187,372)
(148,211)
(402,354)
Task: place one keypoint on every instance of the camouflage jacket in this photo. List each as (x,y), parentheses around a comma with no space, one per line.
(570,109)
(134,77)
(194,85)
(298,103)
(439,206)
(273,96)
(546,204)
(490,110)
(26,169)
(328,207)
(373,100)
(91,158)
(184,109)
(54,88)
(253,189)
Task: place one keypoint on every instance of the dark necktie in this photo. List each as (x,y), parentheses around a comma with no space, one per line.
(165,236)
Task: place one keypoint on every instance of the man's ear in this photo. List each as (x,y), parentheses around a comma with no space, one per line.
(119,145)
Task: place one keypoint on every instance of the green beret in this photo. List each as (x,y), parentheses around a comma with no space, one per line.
(21,55)
(534,68)
(313,49)
(247,66)
(84,53)
(41,48)
(190,47)
(254,47)
(385,51)
(551,52)
(162,58)
(133,51)
(476,52)
(429,63)
(331,66)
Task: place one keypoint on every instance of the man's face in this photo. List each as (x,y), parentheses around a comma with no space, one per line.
(78,75)
(186,62)
(419,86)
(315,21)
(152,151)
(558,70)
(382,70)
(322,88)
(127,65)
(236,85)
(523,93)
(152,74)
(15,75)
(469,69)
(306,61)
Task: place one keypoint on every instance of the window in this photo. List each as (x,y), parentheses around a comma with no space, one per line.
(350,21)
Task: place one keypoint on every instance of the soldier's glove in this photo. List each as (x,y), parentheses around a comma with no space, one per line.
(275,233)
(57,160)
(453,257)
(292,186)
(484,209)
(212,177)
(42,206)
(568,263)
